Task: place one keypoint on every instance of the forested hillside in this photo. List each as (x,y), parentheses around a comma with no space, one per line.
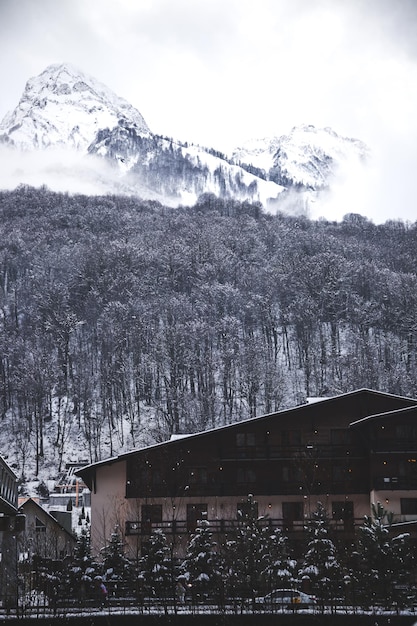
(123,322)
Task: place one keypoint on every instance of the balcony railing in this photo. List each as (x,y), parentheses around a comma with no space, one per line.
(224,526)
(305,451)
(259,487)
(394,483)
(8,489)
(395,445)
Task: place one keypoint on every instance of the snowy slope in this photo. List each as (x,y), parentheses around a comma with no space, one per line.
(265,189)
(65,115)
(307,156)
(179,172)
(65,107)
(257,152)
(77,135)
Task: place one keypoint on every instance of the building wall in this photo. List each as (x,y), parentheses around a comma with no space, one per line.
(43,536)
(110,508)
(108,504)
(391,501)
(289,461)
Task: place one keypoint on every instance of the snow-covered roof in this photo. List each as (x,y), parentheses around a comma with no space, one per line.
(403,411)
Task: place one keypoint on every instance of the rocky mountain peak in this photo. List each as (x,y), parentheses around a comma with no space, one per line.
(310,156)
(64,106)
(307,156)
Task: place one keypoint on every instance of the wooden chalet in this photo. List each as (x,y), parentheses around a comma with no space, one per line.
(346,451)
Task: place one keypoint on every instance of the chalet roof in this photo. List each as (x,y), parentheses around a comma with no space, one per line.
(31,501)
(364,394)
(386,414)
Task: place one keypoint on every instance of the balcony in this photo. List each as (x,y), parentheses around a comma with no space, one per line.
(394,483)
(259,487)
(8,489)
(267,453)
(406,446)
(224,526)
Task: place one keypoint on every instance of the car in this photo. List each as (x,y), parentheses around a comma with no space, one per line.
(287,598)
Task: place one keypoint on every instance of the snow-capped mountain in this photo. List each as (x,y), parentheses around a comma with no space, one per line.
(307,157)
(65,109)
(257,152)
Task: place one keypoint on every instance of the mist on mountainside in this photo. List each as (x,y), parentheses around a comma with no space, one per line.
(67,171)
(63,113)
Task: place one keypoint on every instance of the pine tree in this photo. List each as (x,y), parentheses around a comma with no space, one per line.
(278,566)
(246,550)
(383,560)
(156,567)
(83,569)
(116,567)
(200,569)
(321,566)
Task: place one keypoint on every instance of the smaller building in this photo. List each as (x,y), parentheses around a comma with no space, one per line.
(45,536)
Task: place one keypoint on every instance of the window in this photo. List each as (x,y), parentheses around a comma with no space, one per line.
(149,476)
(294,473)
(340,472)
(197,476)
(340,436)
(246,475)
(292,512)
(244,440)
(406,432)
(141,477)
(407,468)
(291,437)
(151,515)
(409,506)
(195,512)
(40,527)
(132,528)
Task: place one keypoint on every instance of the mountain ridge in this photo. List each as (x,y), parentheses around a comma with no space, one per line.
(65,108)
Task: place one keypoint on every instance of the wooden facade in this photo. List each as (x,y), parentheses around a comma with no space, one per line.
(347,452)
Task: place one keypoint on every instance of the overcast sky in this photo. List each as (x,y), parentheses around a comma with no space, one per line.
(219,72)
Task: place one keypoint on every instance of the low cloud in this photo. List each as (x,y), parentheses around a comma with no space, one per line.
(67,171)
(61,170)
(381,188)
